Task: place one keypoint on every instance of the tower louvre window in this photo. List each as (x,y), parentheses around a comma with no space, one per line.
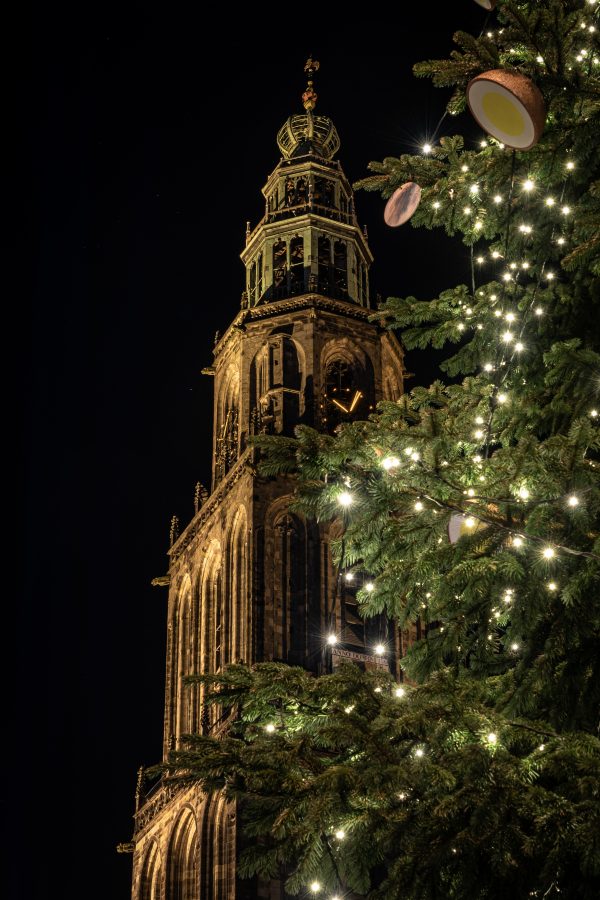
(340,265)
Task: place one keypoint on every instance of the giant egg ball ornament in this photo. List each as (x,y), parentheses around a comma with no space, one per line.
(487,4)
(508,106)
(402,204)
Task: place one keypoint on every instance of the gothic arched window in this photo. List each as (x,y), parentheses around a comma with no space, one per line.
(183,875)
(279,268)
(348,390)
(185,656)
(227,436)
(151,874)
(236,592)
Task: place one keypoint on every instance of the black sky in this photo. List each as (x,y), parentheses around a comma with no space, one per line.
(147,135)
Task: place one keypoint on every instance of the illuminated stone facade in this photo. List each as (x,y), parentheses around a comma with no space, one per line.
(248,579)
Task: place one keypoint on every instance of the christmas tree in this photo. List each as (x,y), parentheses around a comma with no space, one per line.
(471,506)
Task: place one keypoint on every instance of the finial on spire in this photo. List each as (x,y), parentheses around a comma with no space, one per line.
(309,97)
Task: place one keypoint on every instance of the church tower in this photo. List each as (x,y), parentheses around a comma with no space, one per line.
(248,579)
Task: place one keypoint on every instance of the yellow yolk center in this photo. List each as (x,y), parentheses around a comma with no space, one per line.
(503,112)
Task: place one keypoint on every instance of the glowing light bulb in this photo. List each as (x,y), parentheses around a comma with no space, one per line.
(477,458)
(483,144)
(566,210)
(408,450)
(270,728)
(340,834)
(514,647)
(467,210)
(519,347)
(517,542)
(399,692)
(593,413)
(379,650)
(349,576)
(478,434)
(377,690)
(497,313)
(369,587)
(426,148)
(550,276)
(539,59)
(548,553)
(525,265)
(488,367)
(474,189)
(470,522)
(528,185)
(510,317)
(345,498)
(523,493)
(419,506)
(552,586)
(539,311)
(525,229)
(436,204)
(492,738)
(480,260)
(419,752)
(315,887)
(512,266)
(502,398)
(464,168)
(348,709)
(479,420)
(331,639)
(561,241)
(495,254)
(478,226)
(497,198)
(390,462)
(573,501)
(507,337)
(507,276)
(415,456)
(550,201)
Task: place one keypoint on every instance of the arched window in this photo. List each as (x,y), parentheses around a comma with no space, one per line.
(183,869)
(276,385)
(348,387)
(324,257)
(236,592)
(259,277)
(227,436)
(340,268)
(252,284)
(296,265)
(279,268)
(151,874)
(213,629)
(185,693)
(289,585)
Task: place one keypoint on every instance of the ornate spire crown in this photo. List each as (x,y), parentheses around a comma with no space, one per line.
(309,135)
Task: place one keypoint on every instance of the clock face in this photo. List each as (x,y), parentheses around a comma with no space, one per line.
(344,397)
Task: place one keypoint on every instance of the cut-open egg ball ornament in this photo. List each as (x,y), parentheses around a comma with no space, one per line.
(508,106)
(487,4)
(402,204)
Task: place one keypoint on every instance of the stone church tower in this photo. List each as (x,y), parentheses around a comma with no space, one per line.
(248,579)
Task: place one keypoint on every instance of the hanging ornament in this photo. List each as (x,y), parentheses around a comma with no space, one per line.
(487,4)
(402,204)
(460,525)
(508,106)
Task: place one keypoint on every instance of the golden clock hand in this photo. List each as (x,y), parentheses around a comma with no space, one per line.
(355,400)
(337,403)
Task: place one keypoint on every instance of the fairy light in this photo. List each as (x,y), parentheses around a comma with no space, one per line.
(497,313)
(390,462)
(478,225)
(477,458)
(467,210)
(539,59)
(315,887)
(369,587)
(479,420)
(542,747)
(523,493)
(436,204)
(399,692)
(470,522)
(539,311)
(528,185)
(502,398)
(479,434)
(497,198)
(419,752)
(480,260)
(552,586)
(495,255)
(525,229)
(270,728)
(507,277)
(488,367)
(408,450)
(348,709)
(332,639)
(566,210)
(340,834)
(345,498)
(512,266)
(474,189)
(514,647)
(464,168)
(548,553)
(507,336)
(378,689)
(426,148)
(593,413)
(550,276)
(561,241)
(492,738)
(573,500)
(349,576)
(510,317)
(550,201)
(483,144)
(419,506)
(519,347)
(379,650)
(415,456)
(517,541)
(470,492)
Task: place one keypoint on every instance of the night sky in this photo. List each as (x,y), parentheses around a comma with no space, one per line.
(147,136)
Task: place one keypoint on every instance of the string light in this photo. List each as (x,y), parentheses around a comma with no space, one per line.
(525,229)
(470,522)
(548,553)
(399,692)
(519,347)
(436,204)
(348,709)
(479,434)
(510,317)
(517,541)
(495,255)
(573,501)
(492,738)
(467,210)
(390,462)
(507,337)
(552,586)
(593,413)
(474,189)
(369,587)
(379,650)
(419,506)
(349,576)
(464,168)
(550,201)
(340,834)
(528,185)
(419,752)
(502,398)
(270,728)
(523,493)
(332,640)
(514,647)
(315,887)
(560,240)
(345,498)
(426,148)
(539,311)
(566,210)
(497,198)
